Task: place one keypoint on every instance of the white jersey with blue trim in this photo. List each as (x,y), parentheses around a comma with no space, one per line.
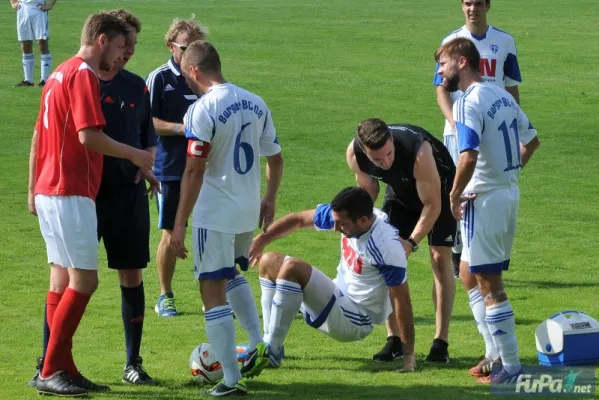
(369,264)
(489,120)
(239,128)
(498,60)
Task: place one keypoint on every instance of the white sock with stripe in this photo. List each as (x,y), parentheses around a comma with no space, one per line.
(502,325)
(239,296)
(268,288)
(477,305)
(46,66)
(221,334)
(285,305)
(28,61)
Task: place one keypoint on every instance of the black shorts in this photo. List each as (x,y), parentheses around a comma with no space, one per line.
(167,202)
(403,219)
(124,225)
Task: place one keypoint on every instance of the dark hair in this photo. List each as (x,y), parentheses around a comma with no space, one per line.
(460,47)
(204,56)
(130,19)
(355,201)
(488,2)
(373,133)
(102,23)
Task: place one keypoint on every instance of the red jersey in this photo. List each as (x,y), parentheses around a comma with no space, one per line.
(70,102)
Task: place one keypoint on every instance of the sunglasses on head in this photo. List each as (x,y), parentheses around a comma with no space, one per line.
(180,46)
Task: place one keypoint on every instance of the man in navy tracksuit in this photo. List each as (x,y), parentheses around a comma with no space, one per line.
(170,97)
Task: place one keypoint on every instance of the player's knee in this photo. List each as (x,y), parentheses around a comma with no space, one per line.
(269,265)
(43,46)
(441,258)
(294,269)
(130,277)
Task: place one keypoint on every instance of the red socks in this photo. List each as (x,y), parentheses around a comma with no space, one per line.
(64,316)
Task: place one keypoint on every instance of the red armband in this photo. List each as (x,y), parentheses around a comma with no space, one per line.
(197,148)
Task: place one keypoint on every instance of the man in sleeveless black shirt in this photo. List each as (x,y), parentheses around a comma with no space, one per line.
(418,171)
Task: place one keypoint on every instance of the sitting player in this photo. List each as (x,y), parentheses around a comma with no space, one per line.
(371,275)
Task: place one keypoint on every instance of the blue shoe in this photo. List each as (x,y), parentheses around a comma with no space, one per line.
(165,307)
(275,360)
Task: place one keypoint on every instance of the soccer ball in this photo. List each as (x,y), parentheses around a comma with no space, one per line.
(204,367)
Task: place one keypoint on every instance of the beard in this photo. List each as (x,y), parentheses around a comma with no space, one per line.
(452,82)
(105,64)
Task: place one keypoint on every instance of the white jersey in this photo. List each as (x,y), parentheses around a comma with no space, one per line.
(498,60)
(239,129)
(368,264)
(489,120)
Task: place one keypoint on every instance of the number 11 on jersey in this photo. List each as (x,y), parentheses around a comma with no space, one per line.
(508,144)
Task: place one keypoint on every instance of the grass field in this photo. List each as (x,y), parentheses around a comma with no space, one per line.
(322,67)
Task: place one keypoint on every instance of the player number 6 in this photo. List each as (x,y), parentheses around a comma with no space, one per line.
(247,151)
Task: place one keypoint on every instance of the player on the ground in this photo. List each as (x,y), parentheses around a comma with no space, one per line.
(371,283)
(122,204)
(499,66)
(495,140)
(419,173)
(228,129)
(170,97)
(32,24)
(65,169)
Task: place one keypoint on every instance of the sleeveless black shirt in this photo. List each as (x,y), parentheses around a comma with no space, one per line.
(401,185)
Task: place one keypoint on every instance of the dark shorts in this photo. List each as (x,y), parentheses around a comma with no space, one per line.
(444,230)
(124,225)
(167,203)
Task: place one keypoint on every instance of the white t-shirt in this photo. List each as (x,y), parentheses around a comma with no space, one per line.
(498,60)
(489,120)
(239,129)
(32,2)
(369,264)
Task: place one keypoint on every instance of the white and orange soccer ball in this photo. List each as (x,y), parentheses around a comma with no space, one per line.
(204,367)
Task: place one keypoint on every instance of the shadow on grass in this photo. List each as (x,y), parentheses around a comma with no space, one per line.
(320,390)
(547,284)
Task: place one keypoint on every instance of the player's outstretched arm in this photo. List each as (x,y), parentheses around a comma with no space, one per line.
(363,180)
(165,128)
(402,309)
(274,175)
(32,166)
(446,105)
(96,140)
(428,185)
(279,229)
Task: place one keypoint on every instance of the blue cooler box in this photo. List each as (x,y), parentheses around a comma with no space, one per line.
(568,338)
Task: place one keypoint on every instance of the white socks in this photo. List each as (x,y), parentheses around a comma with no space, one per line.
(502,325)
(285,305)
(46,66)
(477,305)
(221,334)
(28,60)
(268,289)
(239,296)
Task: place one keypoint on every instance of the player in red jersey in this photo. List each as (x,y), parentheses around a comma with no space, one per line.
(65,168)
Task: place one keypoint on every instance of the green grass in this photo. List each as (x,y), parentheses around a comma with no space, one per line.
(322,67)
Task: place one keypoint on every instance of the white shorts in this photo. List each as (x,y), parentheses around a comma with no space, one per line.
(327,309)
(32,23)
(451,143)
(215,253)
(69,226)
(488,230)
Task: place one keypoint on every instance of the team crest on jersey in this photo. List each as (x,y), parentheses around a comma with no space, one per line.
(494,48)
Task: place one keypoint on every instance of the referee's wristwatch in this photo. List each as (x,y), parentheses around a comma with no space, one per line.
(414,244)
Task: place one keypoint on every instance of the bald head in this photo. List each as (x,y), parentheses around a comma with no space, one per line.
(203,56)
